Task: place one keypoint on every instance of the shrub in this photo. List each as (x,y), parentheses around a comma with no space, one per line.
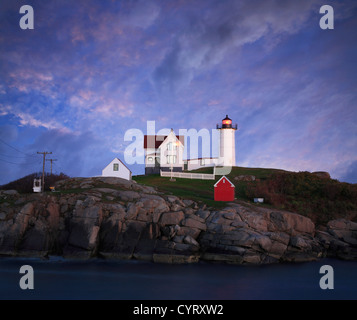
(307,194)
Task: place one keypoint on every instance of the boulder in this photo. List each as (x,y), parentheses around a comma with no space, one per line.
(53,217)
(84,227)
(188,202)
(344,230)
(10,192)
(256,221)
(204,214)
(229,215)
(176,207)
(171,218)
(264,242)
(322,174)
(154,203)
(35,239)
(172,199)
(193,232)
(299,242)
(133,210)
(189,240)
(290,223)
(126,195)
(194,223)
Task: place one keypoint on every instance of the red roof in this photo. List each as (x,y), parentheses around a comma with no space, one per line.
(156,141)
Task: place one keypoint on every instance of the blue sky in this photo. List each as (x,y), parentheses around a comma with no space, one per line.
(90,70)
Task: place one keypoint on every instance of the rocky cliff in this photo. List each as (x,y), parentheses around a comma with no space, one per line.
(115,218)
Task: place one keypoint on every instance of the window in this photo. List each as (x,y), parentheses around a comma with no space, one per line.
(115,166)
(171,146)
(202,162)
(171,159)
(150,159)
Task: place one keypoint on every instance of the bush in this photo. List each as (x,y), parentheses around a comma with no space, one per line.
(307,194)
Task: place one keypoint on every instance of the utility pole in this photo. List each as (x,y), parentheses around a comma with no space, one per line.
(51,163)
(43,168)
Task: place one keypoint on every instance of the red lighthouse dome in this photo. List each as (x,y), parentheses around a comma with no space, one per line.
(227,122)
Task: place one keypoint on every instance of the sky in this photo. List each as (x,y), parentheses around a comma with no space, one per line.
(91,70)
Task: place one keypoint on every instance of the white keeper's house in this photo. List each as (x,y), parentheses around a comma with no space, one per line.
(116,168)
(165,153)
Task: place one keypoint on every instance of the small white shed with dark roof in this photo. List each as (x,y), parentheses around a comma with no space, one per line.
(118,169)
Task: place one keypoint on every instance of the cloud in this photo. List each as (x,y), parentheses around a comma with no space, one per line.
(350,174)
(8,132)
(27,119)
(140,13)
(207,38)
(77,153)
(102,67)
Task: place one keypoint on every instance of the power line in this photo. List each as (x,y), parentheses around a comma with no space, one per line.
(21,164)
(29,155)
(7,155)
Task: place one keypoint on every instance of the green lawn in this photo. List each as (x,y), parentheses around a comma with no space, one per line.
(197,190)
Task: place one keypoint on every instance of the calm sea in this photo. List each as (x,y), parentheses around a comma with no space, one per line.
(57,278)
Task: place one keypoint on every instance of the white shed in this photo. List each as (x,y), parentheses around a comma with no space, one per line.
(118,169)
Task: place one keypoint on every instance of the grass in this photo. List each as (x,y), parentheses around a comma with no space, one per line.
(197,190)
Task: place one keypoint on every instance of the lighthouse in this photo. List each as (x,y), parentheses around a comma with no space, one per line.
(227,149)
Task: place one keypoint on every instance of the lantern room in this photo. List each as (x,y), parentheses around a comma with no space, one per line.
(227,124)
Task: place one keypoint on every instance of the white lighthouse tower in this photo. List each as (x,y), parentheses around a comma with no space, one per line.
(227,152)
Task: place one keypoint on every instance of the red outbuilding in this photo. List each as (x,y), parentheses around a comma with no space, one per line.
(224,190)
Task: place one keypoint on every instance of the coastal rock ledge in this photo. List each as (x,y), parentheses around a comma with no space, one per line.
(115,218)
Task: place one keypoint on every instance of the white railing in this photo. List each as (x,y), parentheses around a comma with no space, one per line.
(187,175)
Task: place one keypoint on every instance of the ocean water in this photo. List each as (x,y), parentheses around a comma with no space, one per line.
(57,278)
